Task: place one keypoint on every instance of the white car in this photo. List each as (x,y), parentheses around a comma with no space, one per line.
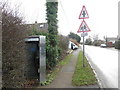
(103,45)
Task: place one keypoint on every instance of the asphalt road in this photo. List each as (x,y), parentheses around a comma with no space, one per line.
(105,63)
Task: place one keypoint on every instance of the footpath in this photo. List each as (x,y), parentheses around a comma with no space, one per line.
(64,77)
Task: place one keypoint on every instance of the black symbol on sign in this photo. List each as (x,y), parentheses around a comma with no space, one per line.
(83,13)
(81,28)
(84,27)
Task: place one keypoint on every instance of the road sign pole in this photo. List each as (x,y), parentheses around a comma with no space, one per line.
(83,28)
(83,51)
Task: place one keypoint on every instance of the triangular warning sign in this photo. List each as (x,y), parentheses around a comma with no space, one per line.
(83,13)
(83,27)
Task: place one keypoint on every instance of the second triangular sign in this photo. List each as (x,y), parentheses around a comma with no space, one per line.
(83,27)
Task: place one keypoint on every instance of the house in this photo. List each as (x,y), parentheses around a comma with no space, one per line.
(110,41)
(73,44)
(42,27)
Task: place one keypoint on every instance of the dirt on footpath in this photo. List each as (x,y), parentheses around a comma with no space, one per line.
(64,77)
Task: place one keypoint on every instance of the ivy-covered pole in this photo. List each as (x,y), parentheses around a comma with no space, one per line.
(52,53)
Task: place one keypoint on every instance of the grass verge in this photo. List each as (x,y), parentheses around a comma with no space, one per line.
(51,76)
(83,75)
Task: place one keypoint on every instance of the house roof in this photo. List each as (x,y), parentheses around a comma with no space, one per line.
(112,39)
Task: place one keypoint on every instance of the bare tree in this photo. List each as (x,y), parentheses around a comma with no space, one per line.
(13,53)
(95,37)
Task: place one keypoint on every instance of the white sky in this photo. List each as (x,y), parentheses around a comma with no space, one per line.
(103,15)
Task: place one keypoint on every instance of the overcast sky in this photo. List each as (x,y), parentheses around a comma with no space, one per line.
(103,15)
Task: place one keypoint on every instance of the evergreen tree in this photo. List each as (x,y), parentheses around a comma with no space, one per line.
(74,36)
(52,49)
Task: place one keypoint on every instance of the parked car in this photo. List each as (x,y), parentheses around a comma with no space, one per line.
(103,45)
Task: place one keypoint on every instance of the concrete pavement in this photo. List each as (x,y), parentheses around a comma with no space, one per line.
(64,77)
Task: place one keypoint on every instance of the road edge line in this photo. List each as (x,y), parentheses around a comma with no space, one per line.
(98,80)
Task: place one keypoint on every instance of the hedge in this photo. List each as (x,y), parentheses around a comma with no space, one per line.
(117,44)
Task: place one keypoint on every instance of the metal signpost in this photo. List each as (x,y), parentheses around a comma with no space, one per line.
(83,28)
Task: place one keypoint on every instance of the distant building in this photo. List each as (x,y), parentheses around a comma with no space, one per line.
(111,41)
(42,27)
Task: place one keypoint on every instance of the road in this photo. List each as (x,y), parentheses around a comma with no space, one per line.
(105,63)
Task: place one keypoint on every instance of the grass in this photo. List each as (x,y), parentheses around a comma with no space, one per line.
(51,76)
(83,75)
(65,61)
